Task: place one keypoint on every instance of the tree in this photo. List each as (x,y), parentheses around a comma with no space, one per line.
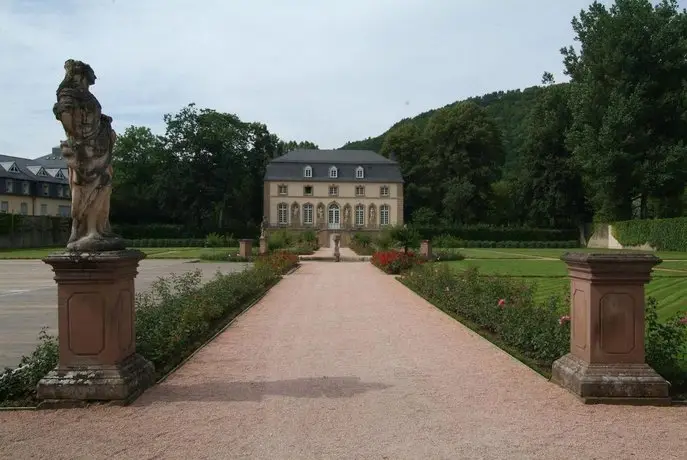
(550,187)
(464,157)
(628,104)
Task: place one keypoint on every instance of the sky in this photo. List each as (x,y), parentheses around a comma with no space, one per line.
(319,70)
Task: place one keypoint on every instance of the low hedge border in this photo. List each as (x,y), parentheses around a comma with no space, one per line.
(174,319)
(444,242)
(492,233)
(662,234)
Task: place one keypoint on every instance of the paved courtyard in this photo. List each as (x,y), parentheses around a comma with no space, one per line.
(340,361)
(28,298)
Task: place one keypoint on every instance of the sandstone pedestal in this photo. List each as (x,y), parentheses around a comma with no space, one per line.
(96,326)
(606,360)
(426,249)
(263,246)
(246,248)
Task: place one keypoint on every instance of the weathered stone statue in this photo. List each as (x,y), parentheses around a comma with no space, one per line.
(294,214)
(372,215)
(347,215)
(88,153)
(263,226)
(320,214)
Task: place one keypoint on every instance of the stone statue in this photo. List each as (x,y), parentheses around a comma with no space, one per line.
(347,215)
(88,153)
(320,212)
(263,226)
(372,215)
(294,212)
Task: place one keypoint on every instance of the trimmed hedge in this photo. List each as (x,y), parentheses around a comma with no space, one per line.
(166,243)
(451,242)
(489,233)
(176,231)
(662,234)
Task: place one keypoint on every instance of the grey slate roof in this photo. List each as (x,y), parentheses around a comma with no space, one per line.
(291,165)
(29,168)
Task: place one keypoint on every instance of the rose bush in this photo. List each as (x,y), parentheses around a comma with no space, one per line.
(395,262)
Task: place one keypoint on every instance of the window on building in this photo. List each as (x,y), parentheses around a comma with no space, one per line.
(307,171)
(9,185)
(24,209)
(46,189)
(360,215)
(283,189)
(283,213)
(60,191)
(307,190)
(333,190)
(307,213)
(42,173)
(384,190)
(64,210)
(333,172)
(26,188)
(359,172)
(384,214)
(359,190)
(44,210)
(4,207)
(14,168)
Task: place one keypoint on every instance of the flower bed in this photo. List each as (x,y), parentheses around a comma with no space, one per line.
(173,319)
(395,262)
(503,310)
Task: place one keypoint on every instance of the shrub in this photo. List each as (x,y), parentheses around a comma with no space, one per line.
(278,261)
(18,385)
(384,240)
(485,232)
(405,236)
(445,256)
(662,234)
(362,244)
(395,262)
(215,240)
(503,308)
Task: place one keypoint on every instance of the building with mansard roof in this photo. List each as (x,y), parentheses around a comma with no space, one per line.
(333,191)
(35,187)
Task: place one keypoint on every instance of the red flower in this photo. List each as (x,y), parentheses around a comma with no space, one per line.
(502,303)
(683,320)
(563,319)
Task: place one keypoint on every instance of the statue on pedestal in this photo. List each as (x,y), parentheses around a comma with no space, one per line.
(88,153)
(263,227)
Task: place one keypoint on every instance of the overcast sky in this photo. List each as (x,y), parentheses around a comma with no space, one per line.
(320,70)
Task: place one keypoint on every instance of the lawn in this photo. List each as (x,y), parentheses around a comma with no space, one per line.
(152,253)
(542,268)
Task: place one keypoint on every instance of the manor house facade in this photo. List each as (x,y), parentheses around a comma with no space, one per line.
(333,191)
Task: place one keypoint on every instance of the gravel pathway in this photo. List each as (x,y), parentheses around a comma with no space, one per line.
(339,361)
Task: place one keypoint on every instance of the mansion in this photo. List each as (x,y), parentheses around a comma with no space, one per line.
(38,187)
(333,191)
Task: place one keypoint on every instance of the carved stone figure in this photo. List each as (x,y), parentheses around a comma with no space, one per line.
(294,213)
(347,215)
(88,153)
(320,213)
(263,226)
(372,215)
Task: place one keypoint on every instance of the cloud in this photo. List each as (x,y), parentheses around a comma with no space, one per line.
(323,71)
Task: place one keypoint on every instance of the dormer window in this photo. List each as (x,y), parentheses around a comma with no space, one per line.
(307,171)
(14,168)
(42,173)
(333,172)
(359,172)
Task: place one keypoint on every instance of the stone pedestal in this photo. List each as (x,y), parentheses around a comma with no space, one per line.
(96,327)
(263,245)
(426,249)
(606,360)
(246,248)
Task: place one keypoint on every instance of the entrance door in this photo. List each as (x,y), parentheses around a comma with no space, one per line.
(334,216)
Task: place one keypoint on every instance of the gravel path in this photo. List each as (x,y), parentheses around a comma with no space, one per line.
(341,361)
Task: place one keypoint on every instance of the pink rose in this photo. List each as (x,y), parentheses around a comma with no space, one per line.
(563,319)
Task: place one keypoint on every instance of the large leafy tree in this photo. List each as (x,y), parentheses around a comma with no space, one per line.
(464,156)
(550,186)
(628,104)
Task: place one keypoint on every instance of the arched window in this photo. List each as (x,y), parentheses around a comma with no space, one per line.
(283,213)
(359,215)
(384,214)
(307,171)
(307,213)
(359,172)
(333,172)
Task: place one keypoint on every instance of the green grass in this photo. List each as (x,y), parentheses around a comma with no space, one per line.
(550,277)
(152,253)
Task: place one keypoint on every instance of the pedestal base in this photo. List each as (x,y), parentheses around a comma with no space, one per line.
(263,246)
(635,384)
(119,384)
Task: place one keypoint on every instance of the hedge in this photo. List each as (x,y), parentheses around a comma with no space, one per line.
(173,319)
(490,233)
(177,231)
(662,234)
(450,242)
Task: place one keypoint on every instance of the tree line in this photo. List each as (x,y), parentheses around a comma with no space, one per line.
(609,145)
